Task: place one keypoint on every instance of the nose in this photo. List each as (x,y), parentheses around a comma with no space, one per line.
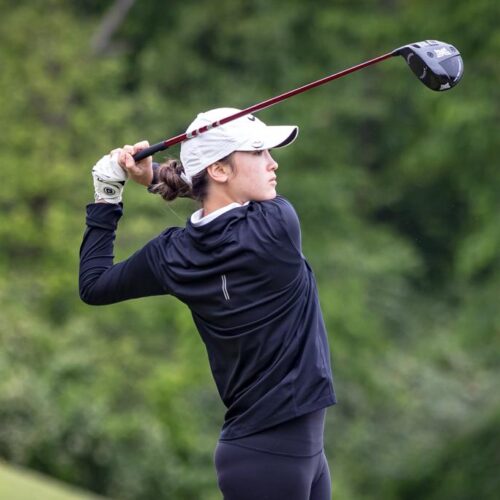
(271,164)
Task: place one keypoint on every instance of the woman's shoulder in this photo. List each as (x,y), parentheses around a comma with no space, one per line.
(279,206)
(170,236)
(276,218)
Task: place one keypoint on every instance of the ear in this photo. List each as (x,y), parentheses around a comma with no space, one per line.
(219,172)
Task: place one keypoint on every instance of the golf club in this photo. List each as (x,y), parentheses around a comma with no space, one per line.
(438,65)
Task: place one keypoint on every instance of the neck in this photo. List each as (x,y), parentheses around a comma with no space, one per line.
(213,205)
(217,199)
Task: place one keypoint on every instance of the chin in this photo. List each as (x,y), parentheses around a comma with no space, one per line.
(266,196)
(269,196)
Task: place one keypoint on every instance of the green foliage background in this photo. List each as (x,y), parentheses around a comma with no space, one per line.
(398,191)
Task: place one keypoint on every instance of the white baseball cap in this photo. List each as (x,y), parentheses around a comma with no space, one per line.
(247,133)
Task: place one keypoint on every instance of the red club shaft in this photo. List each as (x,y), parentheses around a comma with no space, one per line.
(257,107)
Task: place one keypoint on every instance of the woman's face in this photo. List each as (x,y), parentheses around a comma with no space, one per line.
(253,177)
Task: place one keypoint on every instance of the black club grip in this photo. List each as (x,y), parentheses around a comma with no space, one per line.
(149,151)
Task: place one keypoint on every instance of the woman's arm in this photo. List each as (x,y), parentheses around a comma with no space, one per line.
(100,281)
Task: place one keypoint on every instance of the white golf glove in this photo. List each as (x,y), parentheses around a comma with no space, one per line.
(109,179)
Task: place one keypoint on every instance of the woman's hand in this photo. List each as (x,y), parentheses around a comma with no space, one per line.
(140,172)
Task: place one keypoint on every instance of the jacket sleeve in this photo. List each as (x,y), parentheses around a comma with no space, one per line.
(102,282)
(284,224)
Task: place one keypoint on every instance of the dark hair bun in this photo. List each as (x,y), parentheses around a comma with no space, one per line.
(170,184)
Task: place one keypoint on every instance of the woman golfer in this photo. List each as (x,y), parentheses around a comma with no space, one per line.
(239,268)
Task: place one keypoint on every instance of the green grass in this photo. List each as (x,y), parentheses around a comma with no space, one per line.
(20,484)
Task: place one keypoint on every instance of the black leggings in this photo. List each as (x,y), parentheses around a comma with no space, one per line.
(246,474)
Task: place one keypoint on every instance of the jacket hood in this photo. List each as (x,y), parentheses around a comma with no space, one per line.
(218,232)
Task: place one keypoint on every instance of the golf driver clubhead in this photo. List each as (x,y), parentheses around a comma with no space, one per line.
(437,65)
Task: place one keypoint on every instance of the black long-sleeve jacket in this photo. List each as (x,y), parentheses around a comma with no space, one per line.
(252,295)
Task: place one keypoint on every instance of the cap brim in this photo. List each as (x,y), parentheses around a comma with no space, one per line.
(273,136)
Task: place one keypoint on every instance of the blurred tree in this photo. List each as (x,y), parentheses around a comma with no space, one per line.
(460,472)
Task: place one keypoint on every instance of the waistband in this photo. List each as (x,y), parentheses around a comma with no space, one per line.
(300,437)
